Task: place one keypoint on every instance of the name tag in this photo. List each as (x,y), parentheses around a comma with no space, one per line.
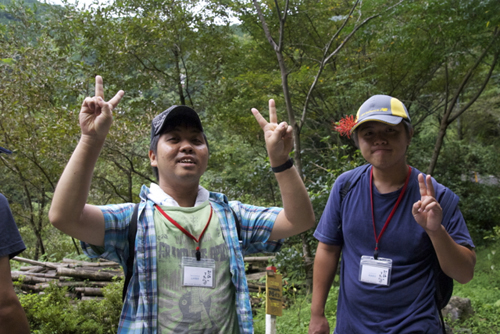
(375,271)
(198,273)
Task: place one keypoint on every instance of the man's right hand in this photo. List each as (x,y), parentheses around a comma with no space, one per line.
(96,114)
(69,211)
(319,325)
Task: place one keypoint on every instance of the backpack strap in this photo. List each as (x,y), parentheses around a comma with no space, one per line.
(132,232)
(238,225)
(353,179)
(354,176)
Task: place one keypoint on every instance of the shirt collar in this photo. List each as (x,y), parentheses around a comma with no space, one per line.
(158,196)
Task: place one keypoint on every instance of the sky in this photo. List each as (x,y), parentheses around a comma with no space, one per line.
(81,3)
(87,3)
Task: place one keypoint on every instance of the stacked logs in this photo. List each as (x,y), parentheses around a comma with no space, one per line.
(84,279)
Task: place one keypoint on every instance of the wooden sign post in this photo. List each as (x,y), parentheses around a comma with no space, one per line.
(274,299)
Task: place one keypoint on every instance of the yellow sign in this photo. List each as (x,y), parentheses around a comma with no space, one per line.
(274,294)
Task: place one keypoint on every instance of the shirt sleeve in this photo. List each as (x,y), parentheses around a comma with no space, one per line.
(117,219)
(453,220)
(256,226)
(11,243)
(457,229)
(329,229)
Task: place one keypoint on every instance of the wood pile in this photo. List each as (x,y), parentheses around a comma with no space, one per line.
(84,279)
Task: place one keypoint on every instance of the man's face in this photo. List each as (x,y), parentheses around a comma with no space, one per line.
(181,157)
(383,145)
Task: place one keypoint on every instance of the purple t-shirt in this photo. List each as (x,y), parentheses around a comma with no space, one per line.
(407,305)
(11,243)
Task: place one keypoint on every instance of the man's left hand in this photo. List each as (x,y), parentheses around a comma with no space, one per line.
(279,137)
(427,211)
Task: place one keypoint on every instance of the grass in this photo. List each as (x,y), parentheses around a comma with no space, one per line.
(483,291)
(49,313)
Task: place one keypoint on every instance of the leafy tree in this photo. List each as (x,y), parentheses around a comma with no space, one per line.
(305,41)
(434,54)
(34,118)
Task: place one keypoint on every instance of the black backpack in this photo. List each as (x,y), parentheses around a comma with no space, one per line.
(132,232)
(444,283)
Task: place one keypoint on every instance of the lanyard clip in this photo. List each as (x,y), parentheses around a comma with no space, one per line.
(198,254)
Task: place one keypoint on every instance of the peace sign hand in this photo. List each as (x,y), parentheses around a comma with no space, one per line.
(96,114)
(427,212)
(279,137)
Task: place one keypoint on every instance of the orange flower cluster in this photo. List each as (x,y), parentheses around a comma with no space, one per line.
(345,125)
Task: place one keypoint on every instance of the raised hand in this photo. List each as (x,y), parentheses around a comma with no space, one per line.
(427,211)
(96,114)
(279,137)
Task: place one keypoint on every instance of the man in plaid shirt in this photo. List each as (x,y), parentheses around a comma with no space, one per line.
(188,274)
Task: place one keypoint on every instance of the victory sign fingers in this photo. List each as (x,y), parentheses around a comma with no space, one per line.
(278,136)
(427,211)
(96,114)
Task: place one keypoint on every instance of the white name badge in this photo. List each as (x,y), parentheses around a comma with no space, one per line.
(198,273)
(375,271)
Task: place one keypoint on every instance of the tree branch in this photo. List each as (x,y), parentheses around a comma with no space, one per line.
(265,27)
(469,75)
(326,58)
(479,92)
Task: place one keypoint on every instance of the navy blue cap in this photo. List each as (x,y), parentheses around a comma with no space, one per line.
(160,121)
(4,150)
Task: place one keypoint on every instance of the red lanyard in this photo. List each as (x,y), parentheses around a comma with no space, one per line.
(377,238)
(198,254)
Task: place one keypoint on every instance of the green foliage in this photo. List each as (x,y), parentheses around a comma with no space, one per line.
(484,292)
(295,319)
(290,261)
(163,53)
(55,313)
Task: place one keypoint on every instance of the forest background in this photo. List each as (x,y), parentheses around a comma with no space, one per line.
(318,59)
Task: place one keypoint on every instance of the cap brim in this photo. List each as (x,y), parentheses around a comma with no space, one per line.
(387,119)
(4,150)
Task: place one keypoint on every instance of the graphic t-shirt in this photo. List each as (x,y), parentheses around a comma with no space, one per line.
(193,309)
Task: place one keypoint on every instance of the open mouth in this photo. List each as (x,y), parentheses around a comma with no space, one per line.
(187,161)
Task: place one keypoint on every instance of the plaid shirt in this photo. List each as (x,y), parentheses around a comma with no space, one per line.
(140,310)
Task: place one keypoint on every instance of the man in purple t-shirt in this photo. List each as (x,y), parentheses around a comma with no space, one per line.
(12,316)
(389,228)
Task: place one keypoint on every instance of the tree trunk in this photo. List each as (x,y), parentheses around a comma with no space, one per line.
(437,146)
(180,89)
(448,118)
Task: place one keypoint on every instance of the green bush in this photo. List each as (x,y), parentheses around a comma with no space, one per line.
(295,319)
(55,313)
(484,292)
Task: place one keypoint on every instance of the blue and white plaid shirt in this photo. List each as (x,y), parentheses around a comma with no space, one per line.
(140,310)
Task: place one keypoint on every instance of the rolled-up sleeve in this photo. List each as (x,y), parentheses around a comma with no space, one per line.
(117,219)
(256,226)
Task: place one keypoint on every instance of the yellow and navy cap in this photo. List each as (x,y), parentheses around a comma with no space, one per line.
(381,108)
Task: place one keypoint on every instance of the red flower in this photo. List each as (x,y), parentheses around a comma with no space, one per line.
(345,125)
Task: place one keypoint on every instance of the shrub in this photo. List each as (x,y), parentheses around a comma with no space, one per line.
(55,313)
